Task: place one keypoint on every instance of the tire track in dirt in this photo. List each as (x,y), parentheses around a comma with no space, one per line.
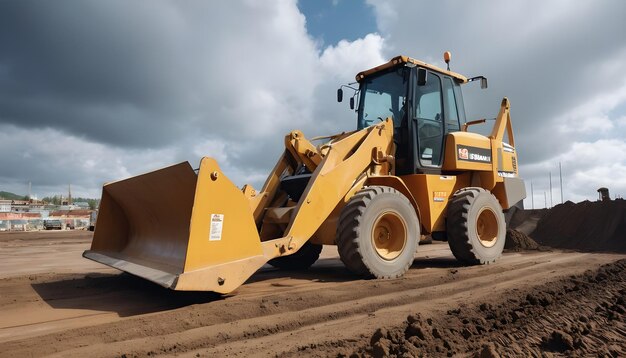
(334,335)
(284,315)
(581,315)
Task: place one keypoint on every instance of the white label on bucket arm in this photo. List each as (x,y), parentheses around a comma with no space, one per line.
(217,221)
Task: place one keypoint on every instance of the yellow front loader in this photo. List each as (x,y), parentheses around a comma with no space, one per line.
(411,168)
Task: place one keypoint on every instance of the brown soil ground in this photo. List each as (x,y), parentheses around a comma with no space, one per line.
(518,241)
(582,315)
(53,302)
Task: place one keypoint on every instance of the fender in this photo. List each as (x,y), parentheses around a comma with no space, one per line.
(396,183)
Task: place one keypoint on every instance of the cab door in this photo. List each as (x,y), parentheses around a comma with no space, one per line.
(428,122)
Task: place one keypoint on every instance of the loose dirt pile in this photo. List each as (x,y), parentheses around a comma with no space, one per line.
(588,226)
(581,315)
(518,241)
(524,221)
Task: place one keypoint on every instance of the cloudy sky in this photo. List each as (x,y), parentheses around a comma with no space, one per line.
(95,91)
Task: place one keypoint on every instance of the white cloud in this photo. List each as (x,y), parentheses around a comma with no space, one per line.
(593,114)
(217,148)
(346,59)
(53,159)
(586,166)
(338,65)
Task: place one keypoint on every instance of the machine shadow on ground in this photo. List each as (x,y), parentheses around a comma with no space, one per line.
(122,293)
(127,295)
(436,262)
(324,270)
(332,270)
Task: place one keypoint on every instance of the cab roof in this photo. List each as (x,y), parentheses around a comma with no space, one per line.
(408,60)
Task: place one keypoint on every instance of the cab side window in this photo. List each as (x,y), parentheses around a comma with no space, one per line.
(429,99)
(452,115)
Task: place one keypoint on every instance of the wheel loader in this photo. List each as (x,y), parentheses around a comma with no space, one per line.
(410,168)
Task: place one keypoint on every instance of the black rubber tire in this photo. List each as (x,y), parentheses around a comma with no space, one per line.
(356,224)
(439,236)
(300,260)
(462,225)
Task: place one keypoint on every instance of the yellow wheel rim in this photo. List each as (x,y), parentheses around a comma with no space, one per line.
(487,227)
(389,235)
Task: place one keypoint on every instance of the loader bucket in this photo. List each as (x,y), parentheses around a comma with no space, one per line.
(178,229)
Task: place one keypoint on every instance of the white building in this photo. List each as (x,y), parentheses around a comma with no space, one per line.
(5,206)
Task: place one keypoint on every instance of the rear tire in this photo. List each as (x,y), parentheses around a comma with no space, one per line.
(300,260)
(378,233)
(476,226)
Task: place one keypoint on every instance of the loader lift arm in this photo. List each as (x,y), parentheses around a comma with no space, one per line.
(343,162)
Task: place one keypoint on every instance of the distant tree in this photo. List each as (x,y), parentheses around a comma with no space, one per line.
(10,196)
(54,200)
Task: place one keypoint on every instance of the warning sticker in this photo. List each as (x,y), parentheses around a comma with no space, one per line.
(217,222)
(439,196)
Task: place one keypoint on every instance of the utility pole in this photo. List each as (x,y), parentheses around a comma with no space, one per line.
(550,175)
(532,195)
(561,180)
(545,200)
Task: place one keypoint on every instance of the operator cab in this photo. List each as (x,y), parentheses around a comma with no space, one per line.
(424,102)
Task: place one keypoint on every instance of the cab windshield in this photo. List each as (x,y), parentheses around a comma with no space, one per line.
(383,95)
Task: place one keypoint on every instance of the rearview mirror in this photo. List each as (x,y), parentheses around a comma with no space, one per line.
(483,83)
(421,76)
(339,95)
(351,102)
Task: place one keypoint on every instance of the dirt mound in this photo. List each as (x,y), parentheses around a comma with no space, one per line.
(581,315)
(518,241)
(525,221)
(516,216)
(589,226)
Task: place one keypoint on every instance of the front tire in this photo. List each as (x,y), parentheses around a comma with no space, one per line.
(476,226)
(378,233)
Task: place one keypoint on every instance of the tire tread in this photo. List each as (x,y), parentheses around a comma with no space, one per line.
(348,240)
(458,226)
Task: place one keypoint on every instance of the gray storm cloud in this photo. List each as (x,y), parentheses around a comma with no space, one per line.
(94,91)
(143,73)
